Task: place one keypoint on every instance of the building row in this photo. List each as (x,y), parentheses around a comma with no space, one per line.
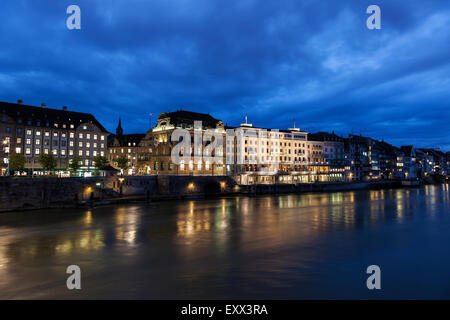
(253,155)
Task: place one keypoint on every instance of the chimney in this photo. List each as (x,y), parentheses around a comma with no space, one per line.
(43,105)
(64,108)
(19,101)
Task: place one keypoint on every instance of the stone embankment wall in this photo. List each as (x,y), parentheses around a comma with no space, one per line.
(18,193)
(34,193)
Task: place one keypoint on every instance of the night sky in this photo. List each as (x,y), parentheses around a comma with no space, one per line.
(311,60)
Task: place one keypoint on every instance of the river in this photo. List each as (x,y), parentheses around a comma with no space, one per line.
(297,246)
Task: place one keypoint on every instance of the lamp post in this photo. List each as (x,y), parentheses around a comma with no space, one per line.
(7,141)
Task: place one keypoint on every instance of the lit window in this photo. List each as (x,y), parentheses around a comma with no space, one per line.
(38,133)
(95,137)
(80,136)
(38,142)
(80,153)
(27,151)
(102,138)
(88,136)
(37,151)
(28,132)
(47,134)
(72,135)
(18,150)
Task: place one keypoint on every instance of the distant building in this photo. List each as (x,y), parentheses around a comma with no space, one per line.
(128,146)
(327,157)
(32,131)
(198,163)
(433,161)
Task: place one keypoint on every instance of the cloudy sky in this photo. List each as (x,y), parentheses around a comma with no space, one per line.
(275,60)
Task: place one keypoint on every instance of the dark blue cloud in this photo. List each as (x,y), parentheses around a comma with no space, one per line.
(275,60)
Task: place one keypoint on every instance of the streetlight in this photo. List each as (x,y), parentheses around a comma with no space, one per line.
(7,141)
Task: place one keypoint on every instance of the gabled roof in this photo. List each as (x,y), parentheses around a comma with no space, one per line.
(39,116)
(125,139)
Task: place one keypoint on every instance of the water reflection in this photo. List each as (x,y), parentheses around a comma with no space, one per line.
(265,243)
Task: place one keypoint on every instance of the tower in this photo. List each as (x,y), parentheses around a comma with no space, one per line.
(119,130)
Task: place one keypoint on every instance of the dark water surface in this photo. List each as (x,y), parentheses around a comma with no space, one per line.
(273,247)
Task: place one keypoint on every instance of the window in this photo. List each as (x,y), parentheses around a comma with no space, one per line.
(46,151)
(28,141)
(19,140)
(63,152)
(86,162)
(80,153)
(28,151)
(102,153)
(47,134)
(102,138)
(71,135)
(37,151)
(18,150)
(88,136)
(38,133)
(71,143)
(80,136)
(29,132)
(55,152)
(70,152)
(80,144)
(95,137)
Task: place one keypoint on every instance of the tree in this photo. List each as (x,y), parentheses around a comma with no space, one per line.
(75,163)
(100,162)
(122,162)
(47,161)
(17,161)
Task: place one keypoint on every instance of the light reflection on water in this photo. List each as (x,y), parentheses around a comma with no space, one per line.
(287,246)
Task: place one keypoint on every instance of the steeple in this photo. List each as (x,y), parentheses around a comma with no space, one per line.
(119,130)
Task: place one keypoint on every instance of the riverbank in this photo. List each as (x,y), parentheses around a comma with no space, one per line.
(18,194)
(256,190)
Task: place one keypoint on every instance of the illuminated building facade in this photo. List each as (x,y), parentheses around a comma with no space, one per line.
(199,162)
(130,147)
(32,131)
